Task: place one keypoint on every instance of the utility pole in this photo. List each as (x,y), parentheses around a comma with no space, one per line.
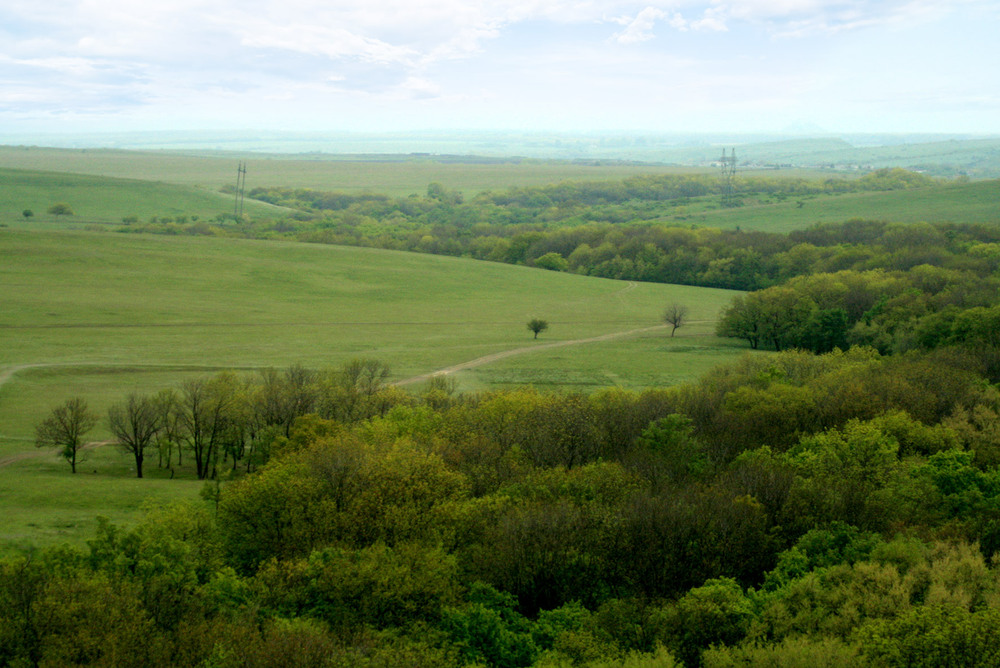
(241,181)
(728,164)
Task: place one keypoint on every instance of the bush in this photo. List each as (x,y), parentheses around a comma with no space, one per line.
(60,209)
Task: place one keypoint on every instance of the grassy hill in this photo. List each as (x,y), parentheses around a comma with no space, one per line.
(101,314)
(102,199)
(973,202)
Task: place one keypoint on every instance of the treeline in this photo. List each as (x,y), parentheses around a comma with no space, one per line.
(839,509)
(613,230)
(924,308)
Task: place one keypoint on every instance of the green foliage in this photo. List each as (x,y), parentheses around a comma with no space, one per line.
(377,586)
(60,209)
(797,652)
(934,636)
(65,428)
(552,261)
(488,630)
(536,326)
(714,613)
(821,548)
(667,452)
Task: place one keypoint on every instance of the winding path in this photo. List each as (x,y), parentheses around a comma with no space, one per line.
(487,359)
(34,454)
(9,372)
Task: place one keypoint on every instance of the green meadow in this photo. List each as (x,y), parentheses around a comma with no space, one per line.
(974,202)
(106,200)
(394,175)
(100,314)
(88,311)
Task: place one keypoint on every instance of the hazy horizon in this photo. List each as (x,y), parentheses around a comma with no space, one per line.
(682,66)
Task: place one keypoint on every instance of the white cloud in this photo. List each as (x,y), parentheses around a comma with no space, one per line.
(640,29)
(471,59)
(714,19)
(332,42)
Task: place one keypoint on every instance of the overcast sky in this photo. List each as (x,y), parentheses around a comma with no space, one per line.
(573,65)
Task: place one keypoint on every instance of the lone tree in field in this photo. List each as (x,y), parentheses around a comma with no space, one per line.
(675,316)
(65,428)
(135,423)
(27,213)
(61,209)
(537,325)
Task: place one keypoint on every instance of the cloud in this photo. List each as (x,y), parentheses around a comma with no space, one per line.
(640,29)
(331,42)
(367,59)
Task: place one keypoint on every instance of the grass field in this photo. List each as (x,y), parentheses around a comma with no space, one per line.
(392,176)
(97,199)
(103,186)
(99,314)
(974,202)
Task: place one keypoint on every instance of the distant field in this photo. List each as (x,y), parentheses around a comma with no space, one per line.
(974,202)
(96,199)
(391,176)
(99,314)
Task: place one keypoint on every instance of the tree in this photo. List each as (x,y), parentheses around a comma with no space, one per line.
(552,261)
(65,428)
(61,209)
(27,213)
(205,411)
(675,316)
(537,325)
(742,319)
(135,423)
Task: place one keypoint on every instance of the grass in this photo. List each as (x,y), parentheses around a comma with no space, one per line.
(973,202)
(100,314)
(394,176)
(98,199)
(44,504)
(650,360)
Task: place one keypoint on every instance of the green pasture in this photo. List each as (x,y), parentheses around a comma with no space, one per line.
(652,359)
(100,314)
(44,504)
(390,175)
(98,199)
(974,202)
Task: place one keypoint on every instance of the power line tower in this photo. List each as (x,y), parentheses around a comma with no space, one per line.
(728,165)
(241,181)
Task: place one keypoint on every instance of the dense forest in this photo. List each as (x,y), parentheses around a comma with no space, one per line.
(835,501)
(796,508)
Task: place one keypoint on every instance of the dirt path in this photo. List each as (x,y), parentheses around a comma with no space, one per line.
(11,371)
(488,359)
(34,454)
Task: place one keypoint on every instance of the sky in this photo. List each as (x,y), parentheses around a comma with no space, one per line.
(536,65)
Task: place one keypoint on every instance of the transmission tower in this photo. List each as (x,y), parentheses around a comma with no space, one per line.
(728,165)
(241,181)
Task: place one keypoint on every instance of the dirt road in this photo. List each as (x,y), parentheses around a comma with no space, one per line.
(488,359)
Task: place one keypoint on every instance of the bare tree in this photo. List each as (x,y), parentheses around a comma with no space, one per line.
(206,409)
(537,325)
(65,428)
(675,316)
(135,423)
